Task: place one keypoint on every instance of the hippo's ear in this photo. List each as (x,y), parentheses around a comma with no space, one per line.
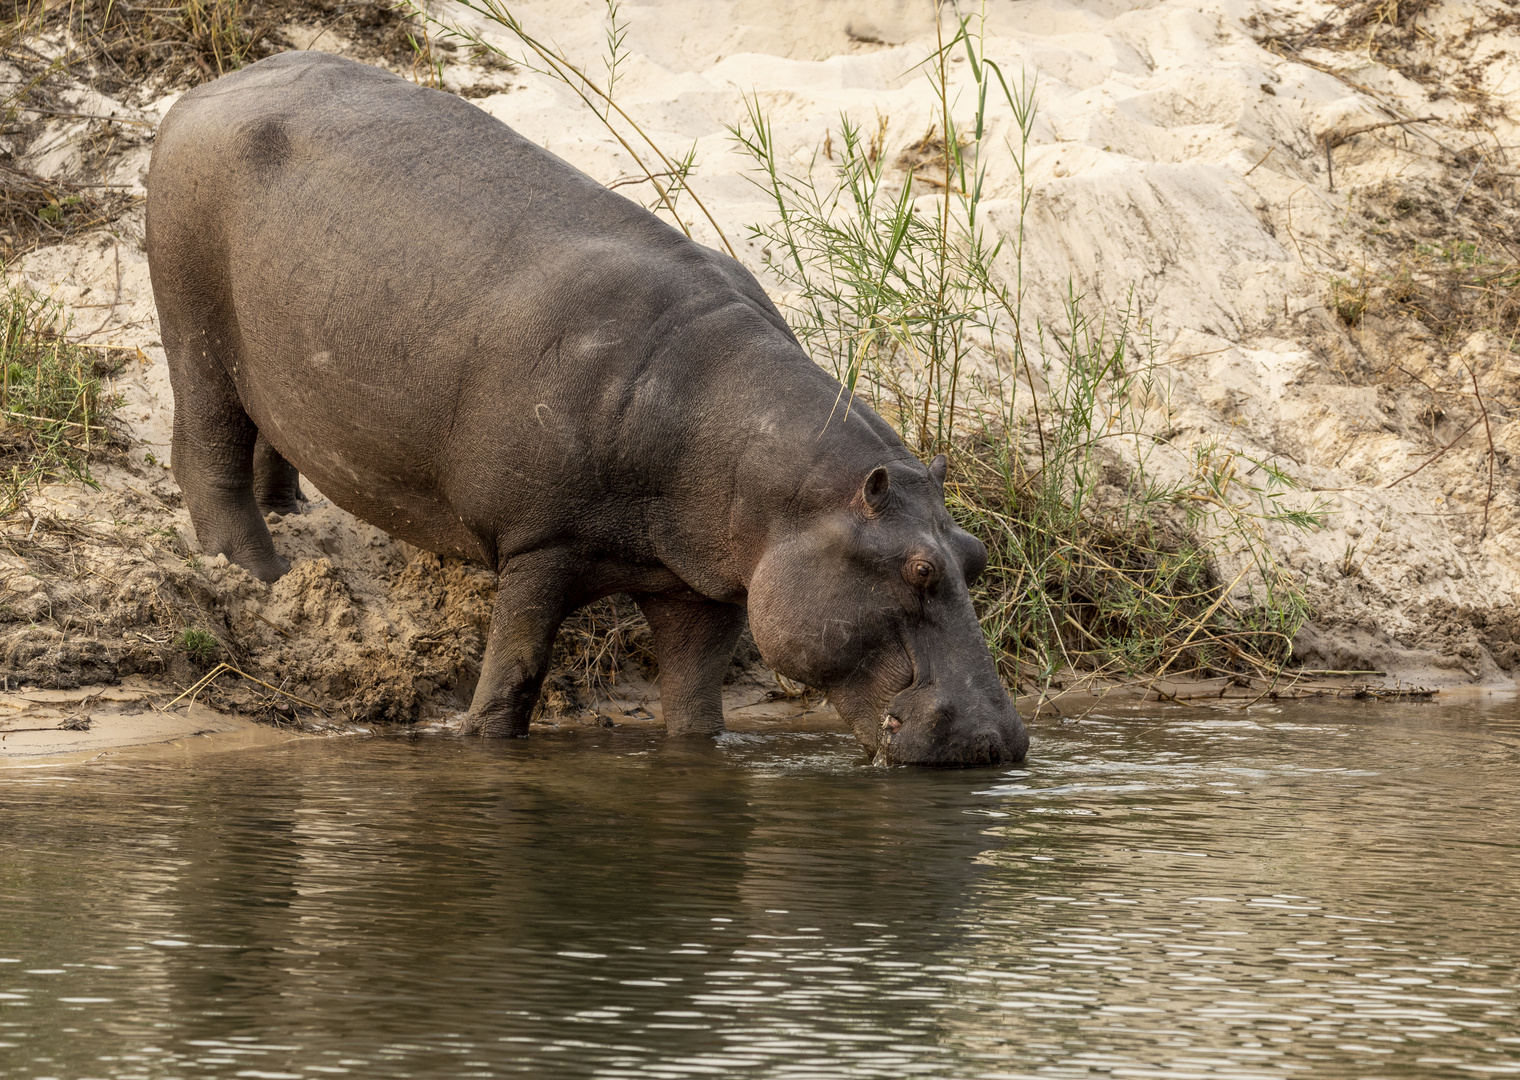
(937,469)
(874,491)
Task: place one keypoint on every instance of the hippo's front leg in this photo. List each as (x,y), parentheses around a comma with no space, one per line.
(695,641)
(530,605)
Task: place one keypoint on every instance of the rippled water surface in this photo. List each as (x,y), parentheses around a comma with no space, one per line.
(1315,890)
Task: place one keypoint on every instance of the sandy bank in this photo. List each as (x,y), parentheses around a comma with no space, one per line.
(1180,164)
(47,727)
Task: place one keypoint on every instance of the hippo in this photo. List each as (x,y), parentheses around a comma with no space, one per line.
(466,342)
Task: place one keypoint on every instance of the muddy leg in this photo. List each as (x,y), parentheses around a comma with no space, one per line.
(531,602)
(213,465)
(695,641)
(276,483)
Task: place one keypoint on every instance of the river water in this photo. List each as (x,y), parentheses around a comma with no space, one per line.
(1308,890)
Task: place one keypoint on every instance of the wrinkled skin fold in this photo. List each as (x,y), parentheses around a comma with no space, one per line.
(466,342)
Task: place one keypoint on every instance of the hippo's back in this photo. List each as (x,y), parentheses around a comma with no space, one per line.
(440,323)
(317,130)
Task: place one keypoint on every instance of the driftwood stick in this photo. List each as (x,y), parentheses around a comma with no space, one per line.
(1354,132)
(1258,165)
(229,669)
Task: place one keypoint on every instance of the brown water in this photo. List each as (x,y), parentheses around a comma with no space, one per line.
(1325,891)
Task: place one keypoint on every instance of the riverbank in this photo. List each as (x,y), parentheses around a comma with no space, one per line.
(51,727)
(1302,225)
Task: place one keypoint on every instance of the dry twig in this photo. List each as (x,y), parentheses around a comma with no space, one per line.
(221,668)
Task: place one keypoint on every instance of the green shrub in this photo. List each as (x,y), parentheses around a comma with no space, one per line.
(1109,545)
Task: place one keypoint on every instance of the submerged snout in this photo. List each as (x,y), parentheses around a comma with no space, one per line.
(924,725)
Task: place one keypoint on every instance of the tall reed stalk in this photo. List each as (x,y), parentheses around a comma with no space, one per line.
(1114,552)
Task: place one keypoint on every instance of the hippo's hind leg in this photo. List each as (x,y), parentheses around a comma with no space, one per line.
(532,599)
(213,456)
(276,483)
(695,641)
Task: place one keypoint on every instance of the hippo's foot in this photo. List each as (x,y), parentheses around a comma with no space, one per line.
(251,550)
(267,566)
(273,512)
(684,727)
(494,726)
(530,604)
(695,640)
(266,570)
(215,447)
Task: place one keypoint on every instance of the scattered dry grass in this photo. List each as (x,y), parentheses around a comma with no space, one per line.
(1397,34)
(1443,252)
(1456,290)
(36,211)
(140,51)
(1452,267)
(594,650)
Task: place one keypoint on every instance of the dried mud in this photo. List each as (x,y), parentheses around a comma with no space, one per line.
(365,626)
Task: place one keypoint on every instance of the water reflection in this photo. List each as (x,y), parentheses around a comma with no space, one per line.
(1325,891)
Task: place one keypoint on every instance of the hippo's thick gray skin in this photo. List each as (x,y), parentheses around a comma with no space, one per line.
(466,342)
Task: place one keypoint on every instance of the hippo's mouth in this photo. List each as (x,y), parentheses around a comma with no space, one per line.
(890,726)
(909,733)
(985,747)
(891,723)
(904,713)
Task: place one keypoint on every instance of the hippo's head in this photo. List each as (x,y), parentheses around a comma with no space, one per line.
(868,601)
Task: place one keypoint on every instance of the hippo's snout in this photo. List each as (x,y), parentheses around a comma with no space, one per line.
(923,726)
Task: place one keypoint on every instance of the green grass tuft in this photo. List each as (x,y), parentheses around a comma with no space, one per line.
(53,404)
(199,645)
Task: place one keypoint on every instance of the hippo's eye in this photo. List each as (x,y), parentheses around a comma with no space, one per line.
(919,572)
